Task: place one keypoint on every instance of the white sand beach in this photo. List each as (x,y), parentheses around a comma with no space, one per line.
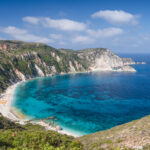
(8,111)
(7,97)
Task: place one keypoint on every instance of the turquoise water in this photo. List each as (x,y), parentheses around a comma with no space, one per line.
(88,102)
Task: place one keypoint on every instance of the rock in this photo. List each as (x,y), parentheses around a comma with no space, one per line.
(105,60)
(127,68)
(20,75)
(30,60)
(39,71)
(58,127)
(51,123)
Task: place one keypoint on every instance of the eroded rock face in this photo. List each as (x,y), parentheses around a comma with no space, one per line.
(20,75)
(39,71)
(72,69)
(105,60)
(127,69)
(35,60)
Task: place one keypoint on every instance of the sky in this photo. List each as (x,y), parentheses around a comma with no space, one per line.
(120,25)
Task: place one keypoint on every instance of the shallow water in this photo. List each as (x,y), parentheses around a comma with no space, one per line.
(88,102)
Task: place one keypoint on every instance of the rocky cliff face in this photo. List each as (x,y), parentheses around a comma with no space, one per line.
(105,60)
(21,61)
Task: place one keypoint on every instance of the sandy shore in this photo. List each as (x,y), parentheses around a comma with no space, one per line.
(10,112)
(6,108)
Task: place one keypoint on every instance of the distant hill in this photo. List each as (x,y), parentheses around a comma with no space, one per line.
(22,60)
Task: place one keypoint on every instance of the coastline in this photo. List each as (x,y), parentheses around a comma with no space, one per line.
(11,113)
(6,108)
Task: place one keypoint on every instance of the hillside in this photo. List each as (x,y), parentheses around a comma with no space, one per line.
(133,135)
(21,61)
(130,136)
(33,137)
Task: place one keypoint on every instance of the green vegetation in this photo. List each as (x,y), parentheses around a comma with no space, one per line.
(33,137)
(24,57)
(129,136)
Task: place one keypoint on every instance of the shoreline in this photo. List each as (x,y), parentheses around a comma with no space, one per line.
(8,96)
(10,112)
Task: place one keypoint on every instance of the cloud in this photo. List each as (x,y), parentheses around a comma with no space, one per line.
(145,37)
(94,35)
(82,39)
(64,24)
(61,24)
(62,43)
(32,20)
(116,16)
(56,36)
(21,34)
(13,30)
(105,33)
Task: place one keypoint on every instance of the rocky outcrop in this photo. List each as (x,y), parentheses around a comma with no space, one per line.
(21,60)
(39,71)
(20,75)
(105,60)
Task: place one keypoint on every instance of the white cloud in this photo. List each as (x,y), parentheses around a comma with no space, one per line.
(64,24)
(61,24)
(56,36)
(105,33)
(62,43)
(94,35)
(82,39)
(145,37)
(116,16)
(21,34)
(13,30)
(32,20)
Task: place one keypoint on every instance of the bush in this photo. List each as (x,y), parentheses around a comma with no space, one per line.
(33,137)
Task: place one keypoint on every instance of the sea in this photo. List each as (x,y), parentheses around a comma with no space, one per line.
(84,103)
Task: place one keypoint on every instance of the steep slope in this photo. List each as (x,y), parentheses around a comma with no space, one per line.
(33,137)
(21,61)
(133,135)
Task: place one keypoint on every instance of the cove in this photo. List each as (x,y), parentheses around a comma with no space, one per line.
(89,102)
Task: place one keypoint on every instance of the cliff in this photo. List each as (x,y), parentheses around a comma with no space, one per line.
(21,61)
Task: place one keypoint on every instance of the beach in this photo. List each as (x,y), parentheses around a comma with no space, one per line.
(7,98)
(7,110)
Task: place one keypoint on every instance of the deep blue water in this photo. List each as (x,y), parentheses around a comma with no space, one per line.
(88,102)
